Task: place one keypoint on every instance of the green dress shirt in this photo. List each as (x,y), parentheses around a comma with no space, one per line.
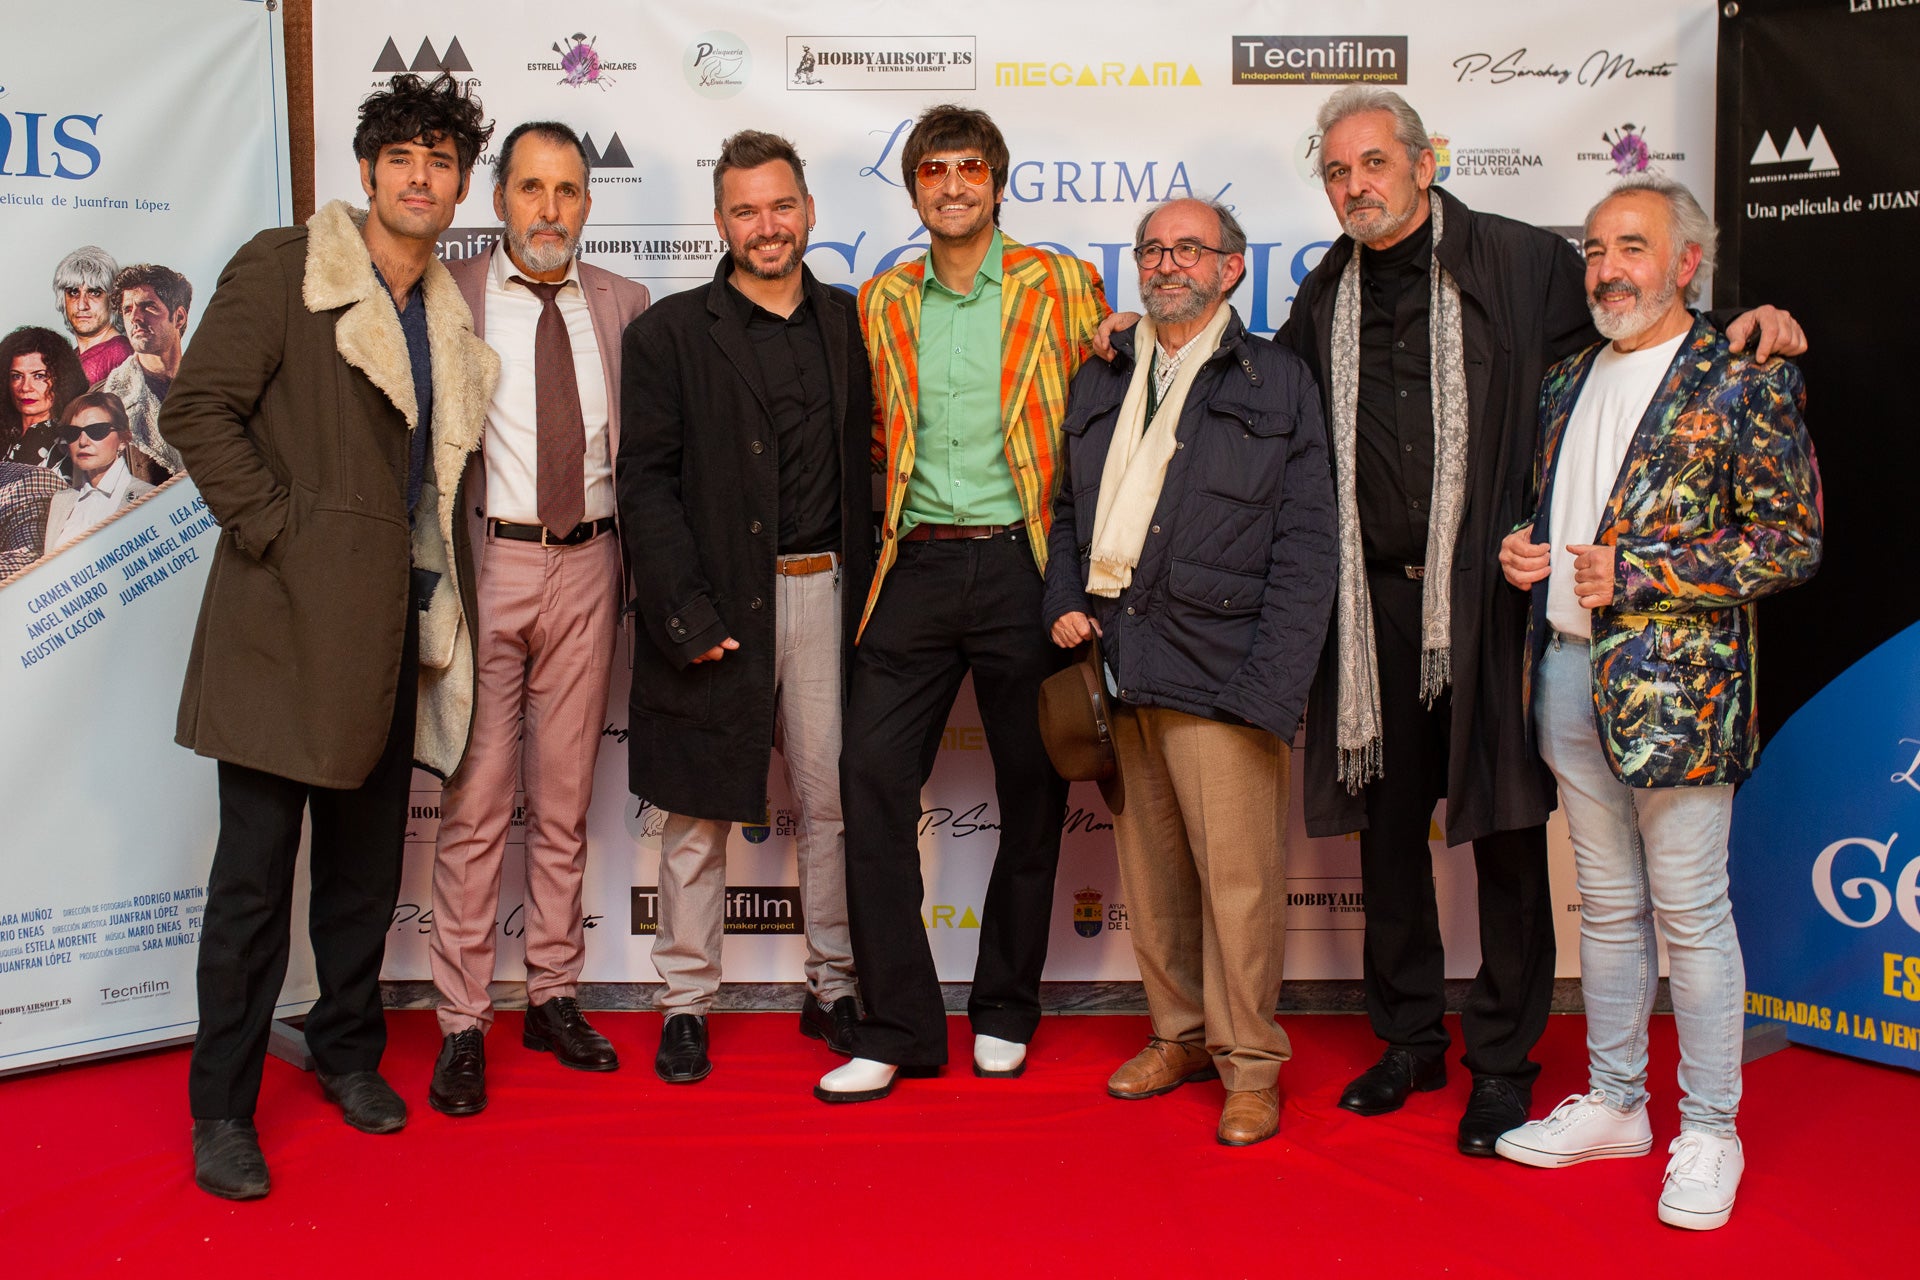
(960,473)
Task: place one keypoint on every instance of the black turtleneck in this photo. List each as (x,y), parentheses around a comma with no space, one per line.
(1393,455)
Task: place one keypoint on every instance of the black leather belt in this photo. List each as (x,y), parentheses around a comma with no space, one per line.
(1414,571)
(585,531)
(946,532)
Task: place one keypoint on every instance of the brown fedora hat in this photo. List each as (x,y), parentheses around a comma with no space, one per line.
(1076,726)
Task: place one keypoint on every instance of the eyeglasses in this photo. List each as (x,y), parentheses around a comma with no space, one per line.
(93,431)
(1185,254)
(975,171)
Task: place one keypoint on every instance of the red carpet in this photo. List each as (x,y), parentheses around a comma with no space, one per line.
(570,1173)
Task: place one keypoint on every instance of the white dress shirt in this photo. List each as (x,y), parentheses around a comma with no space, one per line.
(512,445)
(1612,401)
(97,501)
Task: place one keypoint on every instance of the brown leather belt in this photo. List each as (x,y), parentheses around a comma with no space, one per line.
(947,532)
(585,531)
(800,566)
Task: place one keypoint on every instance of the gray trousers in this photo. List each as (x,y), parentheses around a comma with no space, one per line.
(693,851)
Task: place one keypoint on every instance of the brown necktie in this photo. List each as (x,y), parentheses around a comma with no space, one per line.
(559,462)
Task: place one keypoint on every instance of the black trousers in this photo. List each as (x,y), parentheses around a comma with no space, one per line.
(354,869)
(947,608)
(1405,968)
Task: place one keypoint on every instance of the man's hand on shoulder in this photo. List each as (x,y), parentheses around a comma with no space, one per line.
(1116,322)
(1779,334)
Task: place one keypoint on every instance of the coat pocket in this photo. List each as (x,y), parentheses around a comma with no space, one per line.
(666,693)
(1216,590)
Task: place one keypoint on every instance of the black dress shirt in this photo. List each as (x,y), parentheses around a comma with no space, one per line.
(1393,453)
(793,369)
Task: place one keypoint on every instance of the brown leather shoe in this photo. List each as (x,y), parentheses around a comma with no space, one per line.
(1161,1067)
(1250,1116)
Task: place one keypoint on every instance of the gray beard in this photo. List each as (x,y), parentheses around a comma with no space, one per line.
(1197,303)
(540,259)
(1646,311)
(1385,227)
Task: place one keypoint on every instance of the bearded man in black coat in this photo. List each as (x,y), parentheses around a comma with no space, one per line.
(1429,349)
(745,492)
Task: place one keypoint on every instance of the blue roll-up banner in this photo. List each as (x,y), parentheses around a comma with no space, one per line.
(1826,864)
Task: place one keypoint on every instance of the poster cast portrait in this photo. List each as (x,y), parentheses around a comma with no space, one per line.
(85,413)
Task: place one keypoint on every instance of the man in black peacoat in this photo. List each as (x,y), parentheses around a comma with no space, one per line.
(744,483)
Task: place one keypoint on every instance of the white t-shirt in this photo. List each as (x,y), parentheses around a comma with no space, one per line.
(1614,398)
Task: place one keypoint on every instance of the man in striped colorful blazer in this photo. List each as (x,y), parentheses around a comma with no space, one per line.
(972,347)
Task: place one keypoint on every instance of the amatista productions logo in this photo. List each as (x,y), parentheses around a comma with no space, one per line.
(613,157)
(1629,152)
(853,64)
(1319,60)
(1810,157)
(717,64)
(452,61)
(1088,919)
(1087,74)
(581,63)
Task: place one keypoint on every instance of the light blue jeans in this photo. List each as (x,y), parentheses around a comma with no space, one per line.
(1642,852)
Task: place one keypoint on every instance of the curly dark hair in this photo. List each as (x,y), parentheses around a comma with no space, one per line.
(68,380)
(948,127)
(174,290)
(413,110)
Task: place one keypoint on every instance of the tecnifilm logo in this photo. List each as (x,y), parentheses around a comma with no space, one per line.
(1319,60)
(717,64)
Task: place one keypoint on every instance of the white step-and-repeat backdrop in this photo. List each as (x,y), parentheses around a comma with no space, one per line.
(1107,109)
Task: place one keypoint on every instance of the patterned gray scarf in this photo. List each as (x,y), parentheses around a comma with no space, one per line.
(1361,758)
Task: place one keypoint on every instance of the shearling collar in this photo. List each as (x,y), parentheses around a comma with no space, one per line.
(367,334)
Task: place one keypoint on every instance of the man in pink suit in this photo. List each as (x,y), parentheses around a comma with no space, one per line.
(547,569)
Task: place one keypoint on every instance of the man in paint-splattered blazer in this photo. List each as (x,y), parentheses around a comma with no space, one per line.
(1677,486)
(1716,505)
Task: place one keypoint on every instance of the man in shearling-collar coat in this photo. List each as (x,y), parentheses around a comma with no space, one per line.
(326,410)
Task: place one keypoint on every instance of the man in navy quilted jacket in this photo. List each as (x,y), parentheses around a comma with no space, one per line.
(1194,533)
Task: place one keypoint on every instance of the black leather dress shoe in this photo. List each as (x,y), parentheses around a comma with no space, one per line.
(557,1026)
(683,1050)
(227,1160)
(368,1102)
(1384,1086)
(1496,1105)
(834,1024)
(459,1085)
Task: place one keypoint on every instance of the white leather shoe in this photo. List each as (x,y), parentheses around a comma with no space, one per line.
(1701,1180)
(1584,1127)
(860,1080)
(994,1057)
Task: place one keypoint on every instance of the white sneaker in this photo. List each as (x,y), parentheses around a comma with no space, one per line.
(1701,1180)
(1584,1127)
(860,1080)
(993,1056)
